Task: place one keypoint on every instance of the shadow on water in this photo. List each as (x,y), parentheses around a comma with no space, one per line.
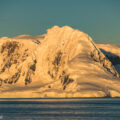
(115,59)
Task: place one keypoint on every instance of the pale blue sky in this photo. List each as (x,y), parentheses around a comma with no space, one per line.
(99,18)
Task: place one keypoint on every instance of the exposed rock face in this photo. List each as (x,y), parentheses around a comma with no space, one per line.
(14,61)
(63,63)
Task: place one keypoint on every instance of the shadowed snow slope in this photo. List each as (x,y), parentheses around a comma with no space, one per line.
(62,63)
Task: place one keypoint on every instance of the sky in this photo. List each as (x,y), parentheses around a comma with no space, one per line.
(98,18)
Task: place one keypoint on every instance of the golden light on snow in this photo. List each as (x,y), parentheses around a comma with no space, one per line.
(61,63)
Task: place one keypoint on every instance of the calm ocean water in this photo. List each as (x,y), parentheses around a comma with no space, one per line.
(60,109)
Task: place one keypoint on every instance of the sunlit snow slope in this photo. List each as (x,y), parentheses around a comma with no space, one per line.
(61,63)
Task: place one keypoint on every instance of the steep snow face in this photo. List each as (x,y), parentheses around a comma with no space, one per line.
(67,63)
(112,52)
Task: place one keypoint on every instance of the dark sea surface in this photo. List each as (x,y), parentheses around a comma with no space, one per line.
(60,109)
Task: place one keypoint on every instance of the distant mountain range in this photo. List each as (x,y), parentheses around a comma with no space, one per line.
(64,62)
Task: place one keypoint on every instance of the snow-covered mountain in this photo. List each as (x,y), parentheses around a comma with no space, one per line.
(61,63)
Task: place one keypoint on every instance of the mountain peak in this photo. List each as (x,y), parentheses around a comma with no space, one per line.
(66,63)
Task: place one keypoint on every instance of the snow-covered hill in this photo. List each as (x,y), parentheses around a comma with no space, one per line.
(61,63)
